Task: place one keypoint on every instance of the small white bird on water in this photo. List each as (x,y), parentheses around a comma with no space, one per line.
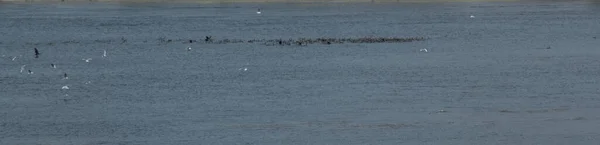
(189,48)
(65,87)
(87,59)
(22,68)
(423,50)
(243,69)
(29,72)
(472,16)
(53,66)
(14,57)
(104,55)
(258,11)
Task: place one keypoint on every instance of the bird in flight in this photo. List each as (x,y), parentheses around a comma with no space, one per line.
(37,53)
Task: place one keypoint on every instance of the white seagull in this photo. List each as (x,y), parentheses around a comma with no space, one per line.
(104,55)
(65,87)
(258,12)
(87,59)
(22,68)
(472,16)
(423,50)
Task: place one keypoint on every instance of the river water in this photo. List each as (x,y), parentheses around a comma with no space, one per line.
(514,73)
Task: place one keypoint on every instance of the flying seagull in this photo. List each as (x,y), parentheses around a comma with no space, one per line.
(207,38)
(37,53)
(22,68)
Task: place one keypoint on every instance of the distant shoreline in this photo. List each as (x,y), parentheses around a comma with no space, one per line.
(249,1)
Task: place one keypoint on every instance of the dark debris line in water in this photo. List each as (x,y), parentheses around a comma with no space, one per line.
(268,42)
(302,41)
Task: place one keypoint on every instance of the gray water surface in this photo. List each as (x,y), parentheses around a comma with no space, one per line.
(485,80)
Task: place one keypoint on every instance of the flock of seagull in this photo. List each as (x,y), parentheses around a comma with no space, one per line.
(37,53)
(104,55)
(52,65)
(65,75)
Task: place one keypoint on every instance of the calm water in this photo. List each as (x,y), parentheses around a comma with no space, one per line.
(491,75)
